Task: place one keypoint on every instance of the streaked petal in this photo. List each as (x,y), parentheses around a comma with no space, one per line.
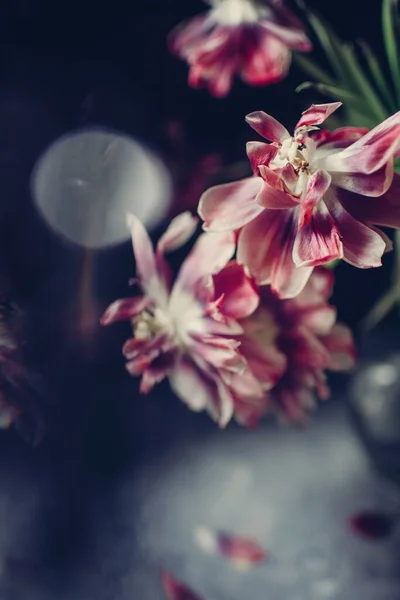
(318,183)
(218,356)
(384,211)
(260,153)
(371,152)
(317,114)
(288,280)
(260,241)
(240,296)
(176,590)
(230,206)
(135,346)
(338,138)
(265,247)
(362,246)
(191,386)
(267,126)
(268,61)
(124,309)
(374,184)
(273,194)
(319,241)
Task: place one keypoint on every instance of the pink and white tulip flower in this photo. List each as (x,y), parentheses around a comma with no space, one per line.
(314,197)
(303,330)
(187,329)
(251,38)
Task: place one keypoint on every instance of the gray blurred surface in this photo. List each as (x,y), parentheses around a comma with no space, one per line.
(292,490)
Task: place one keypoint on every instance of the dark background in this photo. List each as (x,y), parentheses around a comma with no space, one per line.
(65,65)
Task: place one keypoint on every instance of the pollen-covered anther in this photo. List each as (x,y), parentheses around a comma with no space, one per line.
(146,326)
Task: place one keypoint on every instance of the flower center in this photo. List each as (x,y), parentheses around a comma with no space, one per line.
(236,12)
(150,323)
(261,327)
(296,153)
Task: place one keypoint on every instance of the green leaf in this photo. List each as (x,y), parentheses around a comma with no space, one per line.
(332,264)
(327,43)
(397,165)
(329,90)
(389,36)
(381,309)
(368,94)
(309,67)
(378,77)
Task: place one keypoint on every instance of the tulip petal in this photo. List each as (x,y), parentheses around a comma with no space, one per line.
(124,309)
(317,114)
(318,242)
(259,242)
(240,296)
(318,184)
(175,590)
(265,248)
(146,266)
(372,525)
(179,231)
(242,551)
(374,184)
(190,385)
(211,252)
(268,61)
(362,246)
(260,153)
(267,126)
(384,211)
(371,152)
(230,206)
(338,138)
(273,194)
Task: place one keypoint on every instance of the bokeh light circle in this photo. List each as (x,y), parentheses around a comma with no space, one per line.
(85,183)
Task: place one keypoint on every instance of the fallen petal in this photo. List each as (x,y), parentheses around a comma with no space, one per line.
(372,525)
(243,551)
(175,590)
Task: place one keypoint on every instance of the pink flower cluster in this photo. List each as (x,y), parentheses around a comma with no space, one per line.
(246,336)
(226,346)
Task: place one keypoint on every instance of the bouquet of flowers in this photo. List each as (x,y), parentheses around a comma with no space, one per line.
(245,328)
